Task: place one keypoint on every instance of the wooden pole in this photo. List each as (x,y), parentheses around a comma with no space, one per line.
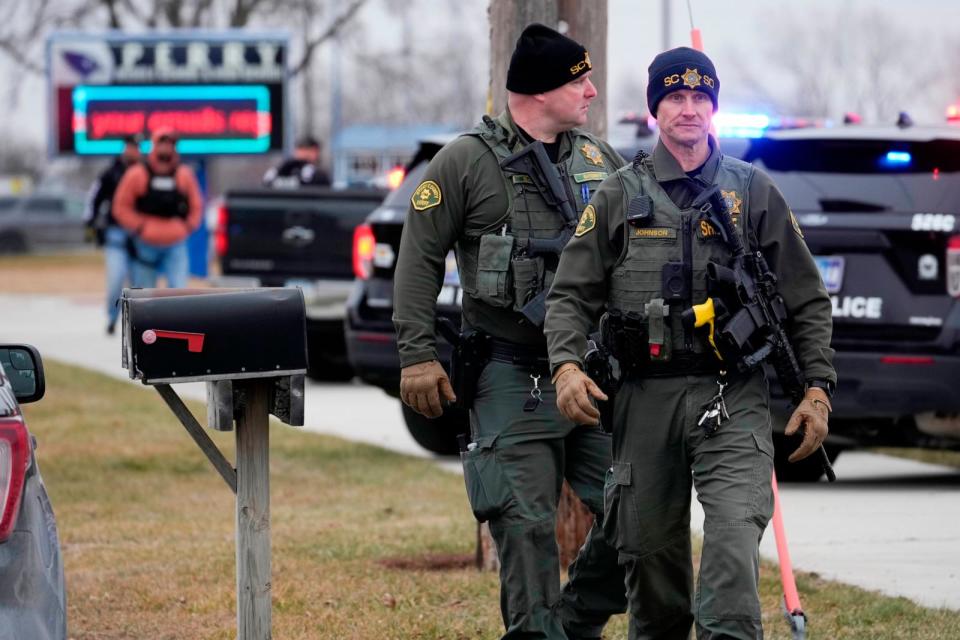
(253,511)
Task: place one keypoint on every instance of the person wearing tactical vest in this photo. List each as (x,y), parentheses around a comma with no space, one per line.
(107,232)
(521,449)
(158,201)
(683,417)
(302,170)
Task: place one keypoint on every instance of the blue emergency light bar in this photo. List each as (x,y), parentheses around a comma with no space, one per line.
(896,159)
(741,125)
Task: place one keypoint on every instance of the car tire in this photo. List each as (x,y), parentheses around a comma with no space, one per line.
(807,470)
(327,353)
(12,242)
(328,371)
(437,435)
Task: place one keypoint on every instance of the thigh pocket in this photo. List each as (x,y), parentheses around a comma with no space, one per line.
(761,507)
(620,522)
(487,488)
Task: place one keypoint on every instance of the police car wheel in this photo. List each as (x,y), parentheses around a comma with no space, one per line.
(326,371)
(437,435)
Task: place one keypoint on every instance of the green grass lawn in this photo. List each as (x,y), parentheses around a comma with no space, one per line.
(366,543)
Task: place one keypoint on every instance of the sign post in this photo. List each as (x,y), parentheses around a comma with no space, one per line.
(253,512)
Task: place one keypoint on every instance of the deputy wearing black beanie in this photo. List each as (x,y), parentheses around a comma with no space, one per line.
(545,60)
(681,68)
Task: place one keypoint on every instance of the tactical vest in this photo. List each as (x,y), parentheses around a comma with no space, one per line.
(677,236)
(162,198)
(493,267)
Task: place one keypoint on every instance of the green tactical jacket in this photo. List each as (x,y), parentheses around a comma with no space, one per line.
(464,196)
(582,287)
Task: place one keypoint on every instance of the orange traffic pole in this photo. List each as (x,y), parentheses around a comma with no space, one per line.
(696,40)
(792,609)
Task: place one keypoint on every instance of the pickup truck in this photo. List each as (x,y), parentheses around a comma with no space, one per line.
(880,210)
(297,238)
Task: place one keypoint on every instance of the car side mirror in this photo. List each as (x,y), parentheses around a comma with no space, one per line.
(23,367)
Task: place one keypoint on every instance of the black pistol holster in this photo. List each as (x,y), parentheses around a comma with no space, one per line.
(471,352)
(597,365)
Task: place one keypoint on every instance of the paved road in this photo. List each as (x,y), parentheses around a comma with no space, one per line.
(887,524)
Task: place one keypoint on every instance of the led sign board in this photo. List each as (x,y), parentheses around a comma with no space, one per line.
(222,93)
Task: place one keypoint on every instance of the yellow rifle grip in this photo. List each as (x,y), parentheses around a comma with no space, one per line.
(705,314)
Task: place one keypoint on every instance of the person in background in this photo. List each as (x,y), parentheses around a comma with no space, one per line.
(302,170)
(103,228)
(158,202)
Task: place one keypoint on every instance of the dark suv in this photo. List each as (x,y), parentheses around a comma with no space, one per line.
(879,209)
(371,340)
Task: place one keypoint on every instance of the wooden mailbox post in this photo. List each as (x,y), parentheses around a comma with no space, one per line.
(249,346)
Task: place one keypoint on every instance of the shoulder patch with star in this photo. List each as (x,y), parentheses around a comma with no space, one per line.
(588,220)
(426,196)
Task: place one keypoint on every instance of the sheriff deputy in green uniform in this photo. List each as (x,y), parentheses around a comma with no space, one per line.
(521,448)
(641,254)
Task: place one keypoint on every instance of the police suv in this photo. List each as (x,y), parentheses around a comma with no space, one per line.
(878,207)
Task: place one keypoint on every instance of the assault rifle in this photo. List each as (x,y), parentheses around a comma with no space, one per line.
(532,161)
(749,323)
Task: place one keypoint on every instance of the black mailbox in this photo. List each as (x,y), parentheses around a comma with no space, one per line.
(219,336)
(187,335)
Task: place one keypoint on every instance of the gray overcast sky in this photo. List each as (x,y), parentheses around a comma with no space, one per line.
(735,33)
(738,30)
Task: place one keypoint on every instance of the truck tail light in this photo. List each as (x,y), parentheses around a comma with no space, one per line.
(220,240)
(921,360)
(953,266)
(364,246)
(14,457)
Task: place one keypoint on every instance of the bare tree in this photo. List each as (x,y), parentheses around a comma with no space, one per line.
(824,68)
(418,80)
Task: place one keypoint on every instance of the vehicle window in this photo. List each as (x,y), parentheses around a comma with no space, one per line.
(7,203)
(400,197)
(44,205)
(19,367)
(75,208)
(863,175)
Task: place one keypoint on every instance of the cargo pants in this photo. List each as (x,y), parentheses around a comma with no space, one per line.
(659,451)
(514,477)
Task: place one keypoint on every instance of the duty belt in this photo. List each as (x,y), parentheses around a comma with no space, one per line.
(681,364)
(519,355)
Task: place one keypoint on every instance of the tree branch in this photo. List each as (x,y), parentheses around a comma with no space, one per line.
(13,50)
(201,8)
(112,12)
(330,31)
(240,15)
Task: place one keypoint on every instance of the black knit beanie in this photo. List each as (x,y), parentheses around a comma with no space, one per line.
(681,68)
(544,60)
